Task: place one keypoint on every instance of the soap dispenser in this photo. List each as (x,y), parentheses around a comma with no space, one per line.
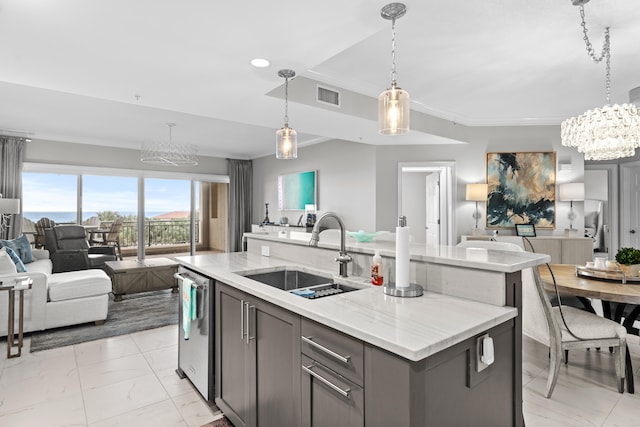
(377,276)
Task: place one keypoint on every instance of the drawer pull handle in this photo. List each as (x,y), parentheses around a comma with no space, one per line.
(346,393)
(310,341)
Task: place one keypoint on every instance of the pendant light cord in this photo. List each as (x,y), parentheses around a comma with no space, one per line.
(393,50)
(605,54)
(286,101)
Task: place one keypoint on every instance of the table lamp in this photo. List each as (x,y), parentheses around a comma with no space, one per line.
(571,192)
(477,193)
(8,207)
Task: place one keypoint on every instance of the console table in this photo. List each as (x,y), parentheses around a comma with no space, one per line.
(19,285)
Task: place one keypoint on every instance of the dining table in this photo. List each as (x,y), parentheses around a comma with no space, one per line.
(608,288)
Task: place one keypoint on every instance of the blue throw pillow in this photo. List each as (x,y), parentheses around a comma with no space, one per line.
(16,260)
(20,246)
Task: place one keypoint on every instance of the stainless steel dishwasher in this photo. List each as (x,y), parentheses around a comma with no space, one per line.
(195,348)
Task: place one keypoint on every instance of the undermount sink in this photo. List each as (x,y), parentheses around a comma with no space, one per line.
(301,283)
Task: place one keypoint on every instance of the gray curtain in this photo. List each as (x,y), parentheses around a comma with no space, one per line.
(240,201)
(11,158)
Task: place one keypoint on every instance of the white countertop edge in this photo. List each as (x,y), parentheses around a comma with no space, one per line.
(503,261)
(352,313)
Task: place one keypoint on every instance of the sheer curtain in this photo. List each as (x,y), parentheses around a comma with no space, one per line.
(11,158)
(240,201)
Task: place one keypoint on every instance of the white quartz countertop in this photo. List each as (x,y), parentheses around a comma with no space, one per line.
(413,328)
(503,261)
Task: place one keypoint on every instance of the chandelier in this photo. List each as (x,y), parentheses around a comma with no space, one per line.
(286,137)
(606,133)
(169,153)
(393,103)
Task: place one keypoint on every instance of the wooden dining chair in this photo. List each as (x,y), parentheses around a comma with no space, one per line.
(110,237)
(561,328)
(41,225)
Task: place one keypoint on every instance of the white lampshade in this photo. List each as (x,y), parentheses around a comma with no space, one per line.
(477,192)
(9,206)
(571,192)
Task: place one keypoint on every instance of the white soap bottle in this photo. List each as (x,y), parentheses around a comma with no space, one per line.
(377,276)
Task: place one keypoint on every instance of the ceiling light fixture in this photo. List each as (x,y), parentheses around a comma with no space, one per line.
(606,133)
(260,63)
(393,103)
(169,153)
(286,137)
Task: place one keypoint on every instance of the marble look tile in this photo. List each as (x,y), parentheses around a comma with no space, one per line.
(111,371)
(106,402)
(27,356)
(105,349)
(172,383)
(53,412)
(157,338)
(36,381)
(162,414)
(194,409)
(163,358)
(626,413)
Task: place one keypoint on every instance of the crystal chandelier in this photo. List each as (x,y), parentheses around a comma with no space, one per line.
(286,137)
(169,153)
(606,133)
(393,103)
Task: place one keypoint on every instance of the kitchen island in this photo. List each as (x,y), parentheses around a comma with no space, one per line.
(362,357)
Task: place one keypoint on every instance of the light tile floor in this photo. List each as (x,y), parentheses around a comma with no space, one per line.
(130,381)
(123,381)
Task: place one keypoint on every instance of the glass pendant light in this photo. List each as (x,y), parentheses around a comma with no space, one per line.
(393,103)
(286,137)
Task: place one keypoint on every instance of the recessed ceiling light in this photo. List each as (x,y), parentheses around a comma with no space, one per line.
(260,63)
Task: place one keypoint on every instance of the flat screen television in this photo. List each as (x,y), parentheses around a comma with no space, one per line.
(296,190)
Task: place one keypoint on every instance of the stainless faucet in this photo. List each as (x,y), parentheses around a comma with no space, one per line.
(343,258)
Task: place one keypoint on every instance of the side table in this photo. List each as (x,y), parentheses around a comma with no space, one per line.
(19,285)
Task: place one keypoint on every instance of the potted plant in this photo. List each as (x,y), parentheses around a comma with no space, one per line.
(629,261)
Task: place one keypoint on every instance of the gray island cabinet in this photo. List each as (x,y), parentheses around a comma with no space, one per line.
(364,358)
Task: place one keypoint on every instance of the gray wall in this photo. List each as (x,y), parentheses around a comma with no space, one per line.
(346,182)
(360,181)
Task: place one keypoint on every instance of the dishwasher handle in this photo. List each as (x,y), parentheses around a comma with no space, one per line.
(194,285)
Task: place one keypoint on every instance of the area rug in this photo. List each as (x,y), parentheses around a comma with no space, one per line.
(222,422)
(136,312)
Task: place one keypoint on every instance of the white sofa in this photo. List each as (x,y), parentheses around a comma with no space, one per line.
(59,299)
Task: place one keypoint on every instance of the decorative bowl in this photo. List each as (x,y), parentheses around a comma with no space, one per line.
(363,236)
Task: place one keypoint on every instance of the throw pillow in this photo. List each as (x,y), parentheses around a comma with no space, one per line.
(21,247)
(20,268)
(6,263)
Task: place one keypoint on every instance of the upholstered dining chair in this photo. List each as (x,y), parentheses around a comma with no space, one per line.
(110,237)
(561,328)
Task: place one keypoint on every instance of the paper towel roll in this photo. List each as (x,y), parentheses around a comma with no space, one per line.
(402,257)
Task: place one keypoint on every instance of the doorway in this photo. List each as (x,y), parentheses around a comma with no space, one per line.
(595,176)
(630,204)
(425,197)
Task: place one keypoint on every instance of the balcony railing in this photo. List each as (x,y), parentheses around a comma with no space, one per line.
(157,232)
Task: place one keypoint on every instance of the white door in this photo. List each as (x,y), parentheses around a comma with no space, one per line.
(630,206)
(432,227)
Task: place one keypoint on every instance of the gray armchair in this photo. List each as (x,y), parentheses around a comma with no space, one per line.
(70,251)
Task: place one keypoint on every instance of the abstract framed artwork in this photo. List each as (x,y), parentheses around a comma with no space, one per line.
(522,189)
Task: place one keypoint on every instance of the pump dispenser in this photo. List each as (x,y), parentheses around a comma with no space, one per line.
(377,276)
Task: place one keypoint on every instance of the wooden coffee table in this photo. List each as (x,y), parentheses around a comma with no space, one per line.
(151,274)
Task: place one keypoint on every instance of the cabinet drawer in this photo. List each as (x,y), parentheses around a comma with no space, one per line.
(335,350)
(329,399)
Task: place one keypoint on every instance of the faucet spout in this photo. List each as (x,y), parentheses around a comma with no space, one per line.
(343,258)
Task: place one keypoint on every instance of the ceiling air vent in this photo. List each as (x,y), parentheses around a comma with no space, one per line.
(327,96)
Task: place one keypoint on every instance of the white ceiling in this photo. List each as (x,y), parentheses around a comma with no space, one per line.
(70,69)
